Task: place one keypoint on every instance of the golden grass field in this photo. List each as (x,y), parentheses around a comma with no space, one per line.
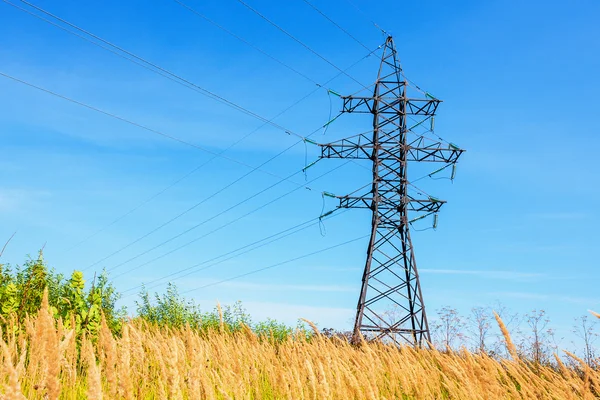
(43,362)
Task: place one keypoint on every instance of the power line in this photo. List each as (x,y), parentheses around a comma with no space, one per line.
(154,66)
(278,264)
(231,254)
(168,76)
(203,201)
(410,82)
(204,91)
(193,227)
(359,42)
(137,207)
(221,27)
(211,218)
(288,178)
(257,244)
(255,11)
(334,23)
(195,206)
(383,31)
(211,159)
(176,78)
(214,230)
(253,169)
(184,176)
(138,125)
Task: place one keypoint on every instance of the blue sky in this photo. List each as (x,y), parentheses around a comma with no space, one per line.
(518,83)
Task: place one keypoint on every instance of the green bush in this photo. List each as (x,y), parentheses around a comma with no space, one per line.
(22,288)
(171,309)
(21,292)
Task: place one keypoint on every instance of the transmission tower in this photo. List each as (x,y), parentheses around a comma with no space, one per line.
(390,278)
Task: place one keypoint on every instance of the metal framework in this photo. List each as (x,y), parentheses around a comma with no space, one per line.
(390,278)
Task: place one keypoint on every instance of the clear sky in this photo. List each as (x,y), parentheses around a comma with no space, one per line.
(518,80)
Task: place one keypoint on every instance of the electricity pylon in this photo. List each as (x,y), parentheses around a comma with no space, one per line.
(390,278)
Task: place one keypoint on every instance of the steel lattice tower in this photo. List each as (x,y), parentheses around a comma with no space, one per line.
(390,277)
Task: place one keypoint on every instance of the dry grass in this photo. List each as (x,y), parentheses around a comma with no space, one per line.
(44,361)
(510,346)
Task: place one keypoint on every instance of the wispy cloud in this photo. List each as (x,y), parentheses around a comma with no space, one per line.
(334,268)
(336,317)
(265,287)
(565,215)
(288,287)
(490,274)
(12,200)
(544,297)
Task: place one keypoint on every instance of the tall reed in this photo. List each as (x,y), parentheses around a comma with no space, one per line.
(43,361)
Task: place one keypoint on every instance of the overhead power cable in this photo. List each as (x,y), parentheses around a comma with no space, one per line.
(214,230)
(321,56)
(324,216)
(335,24)
(137,207)
(134,60)
(281,180)
(358,41)
(121,217)
(204,91)
(255,11)
(383,31)
(204,200)
(253,169)
(138,125)
(241,39)
(212,262)
(158,69)
(278,264)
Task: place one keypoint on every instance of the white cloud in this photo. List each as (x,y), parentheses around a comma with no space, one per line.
(492,274)
(12,200)
(553,297)
(324,317)
(559,215)
(288,287)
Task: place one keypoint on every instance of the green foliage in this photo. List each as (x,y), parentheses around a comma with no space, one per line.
(77,308)
(173,310)
(170,309)
(273,330)
(10,299)
(235,316)
(21,294)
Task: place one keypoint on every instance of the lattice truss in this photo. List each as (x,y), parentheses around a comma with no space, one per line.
(390,279)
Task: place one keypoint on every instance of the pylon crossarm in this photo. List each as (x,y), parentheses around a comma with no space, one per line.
(357,147)
(429,205)
(433,154)
(388,151)
(361,147)
(391,105)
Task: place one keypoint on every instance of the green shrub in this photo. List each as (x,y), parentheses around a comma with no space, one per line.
(173,310)
(21,292)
